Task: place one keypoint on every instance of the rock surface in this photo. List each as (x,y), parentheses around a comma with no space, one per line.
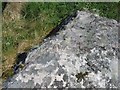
(82,55)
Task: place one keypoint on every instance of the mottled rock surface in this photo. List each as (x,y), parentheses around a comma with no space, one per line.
(82,55)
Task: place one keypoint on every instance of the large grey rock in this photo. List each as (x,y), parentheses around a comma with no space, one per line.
(82,55)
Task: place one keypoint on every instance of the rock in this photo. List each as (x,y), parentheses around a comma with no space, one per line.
(80,55)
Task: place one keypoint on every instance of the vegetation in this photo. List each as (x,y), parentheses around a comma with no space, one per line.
(81,76)
(59,10)
(38,19)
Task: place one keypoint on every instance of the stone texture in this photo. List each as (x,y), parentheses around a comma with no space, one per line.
(88,43)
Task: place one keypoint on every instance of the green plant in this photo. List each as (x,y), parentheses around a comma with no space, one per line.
(81,76)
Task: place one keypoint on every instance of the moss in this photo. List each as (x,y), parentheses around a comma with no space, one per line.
(81,76)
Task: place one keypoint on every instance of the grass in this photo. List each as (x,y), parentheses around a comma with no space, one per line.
(38,19)
(58,10)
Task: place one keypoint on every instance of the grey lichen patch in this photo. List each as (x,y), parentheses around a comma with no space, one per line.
(57,84)
(37,86)
(46,81)
(30,84)
(60,71)
(65,77)
(50,68)
(31,70)
(46,58)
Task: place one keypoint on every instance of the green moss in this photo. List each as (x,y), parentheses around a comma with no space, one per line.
(81,76)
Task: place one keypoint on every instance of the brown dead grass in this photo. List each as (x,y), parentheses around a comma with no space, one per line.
(11,15)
